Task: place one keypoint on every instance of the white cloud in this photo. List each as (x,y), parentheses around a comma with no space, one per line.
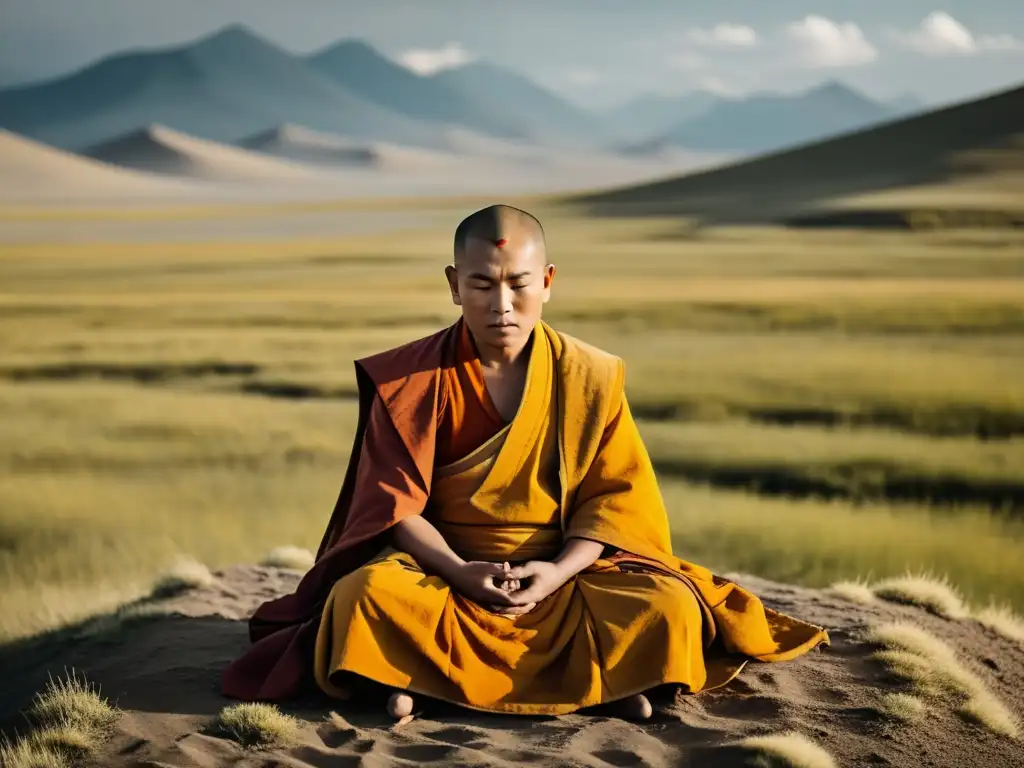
(724,36)
(718,86)
(824,43)
(424,61)
(582,78)
(941,35)
(687,61)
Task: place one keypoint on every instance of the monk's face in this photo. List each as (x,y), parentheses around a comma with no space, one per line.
(501,290)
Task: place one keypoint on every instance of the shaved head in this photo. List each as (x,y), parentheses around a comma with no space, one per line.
(502,226)
(501,277)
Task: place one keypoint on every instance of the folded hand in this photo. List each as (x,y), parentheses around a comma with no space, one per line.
(538,580)
(483,583)
(511,586)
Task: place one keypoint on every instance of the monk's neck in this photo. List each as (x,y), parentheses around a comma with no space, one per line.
(500,359)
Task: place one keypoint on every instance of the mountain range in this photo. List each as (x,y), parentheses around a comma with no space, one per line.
(966,160)
(233,85)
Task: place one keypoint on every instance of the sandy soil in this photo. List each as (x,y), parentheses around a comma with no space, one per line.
(163,672)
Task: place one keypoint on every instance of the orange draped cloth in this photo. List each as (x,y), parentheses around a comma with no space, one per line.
(635,619)
(466,416)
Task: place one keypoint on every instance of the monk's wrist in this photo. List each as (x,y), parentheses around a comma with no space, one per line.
(576,555)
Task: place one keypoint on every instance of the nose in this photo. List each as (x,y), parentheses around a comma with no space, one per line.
(502,302)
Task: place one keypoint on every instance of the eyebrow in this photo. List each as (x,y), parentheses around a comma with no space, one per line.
(489,279)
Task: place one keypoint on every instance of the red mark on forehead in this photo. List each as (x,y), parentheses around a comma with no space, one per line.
(501,242)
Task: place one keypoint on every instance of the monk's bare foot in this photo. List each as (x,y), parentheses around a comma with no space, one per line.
(400,705)
(636,707)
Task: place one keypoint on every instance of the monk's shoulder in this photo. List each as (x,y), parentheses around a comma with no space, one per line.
(589,365)
(424,355)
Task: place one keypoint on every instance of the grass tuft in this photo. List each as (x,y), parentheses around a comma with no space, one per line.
(71,742)
(903,707)
(933,669)
(27,754)
(926,591)
(1003,620)
(291,558)
(72,720)
(986,710)
(183,575)
(258,725)
(73,704)
(854,591)
(792,750)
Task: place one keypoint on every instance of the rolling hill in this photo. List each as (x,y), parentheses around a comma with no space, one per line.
(293,142)
(649,117)
(29,169)
(360,69)
(948,156)
(766,122)
(159,149)
(551,119)
(223,87)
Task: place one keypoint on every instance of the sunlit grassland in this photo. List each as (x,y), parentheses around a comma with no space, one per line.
(820,405)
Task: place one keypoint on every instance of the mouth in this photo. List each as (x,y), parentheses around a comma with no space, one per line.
(503,325)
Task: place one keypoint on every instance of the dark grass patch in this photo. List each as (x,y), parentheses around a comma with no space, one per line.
(916,220)
(952,421)
(142,373)
(860,482)
(289,390)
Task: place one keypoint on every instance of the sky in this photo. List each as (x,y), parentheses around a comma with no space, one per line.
(595,52)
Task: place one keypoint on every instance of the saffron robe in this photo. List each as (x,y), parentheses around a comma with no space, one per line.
(571,463)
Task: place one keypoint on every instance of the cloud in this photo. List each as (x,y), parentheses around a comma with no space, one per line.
(724,36)
(941,35)
(718,86)
(688,61)
(425,61)
(826,44)
(582,78)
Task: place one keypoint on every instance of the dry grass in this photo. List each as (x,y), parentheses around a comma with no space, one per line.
(936,594)
(71,719)
(196,397)
(27,754)
(292,558)
(854,591)
(934,670)
(258,725)
(74,703)
(864,463)
(816,543)
(69,741)
(1003,620)
(927,591)
(903,707)
(791,750)
(185,574)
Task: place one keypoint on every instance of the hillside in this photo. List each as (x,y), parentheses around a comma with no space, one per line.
(952,152)
(29,169)
(772,121)
(293,142)
(552,119)
(159,149)
(360,69)
(645,117)
(223,87)
(159,660)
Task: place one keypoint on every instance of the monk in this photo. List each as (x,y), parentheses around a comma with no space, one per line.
(500,541)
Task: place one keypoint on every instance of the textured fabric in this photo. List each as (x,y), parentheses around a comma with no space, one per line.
(621,627)
(466,416)
(571,463)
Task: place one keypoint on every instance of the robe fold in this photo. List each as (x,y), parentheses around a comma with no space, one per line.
(569,464)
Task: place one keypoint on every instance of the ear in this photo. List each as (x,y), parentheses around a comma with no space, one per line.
(453,284)
(549,278)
